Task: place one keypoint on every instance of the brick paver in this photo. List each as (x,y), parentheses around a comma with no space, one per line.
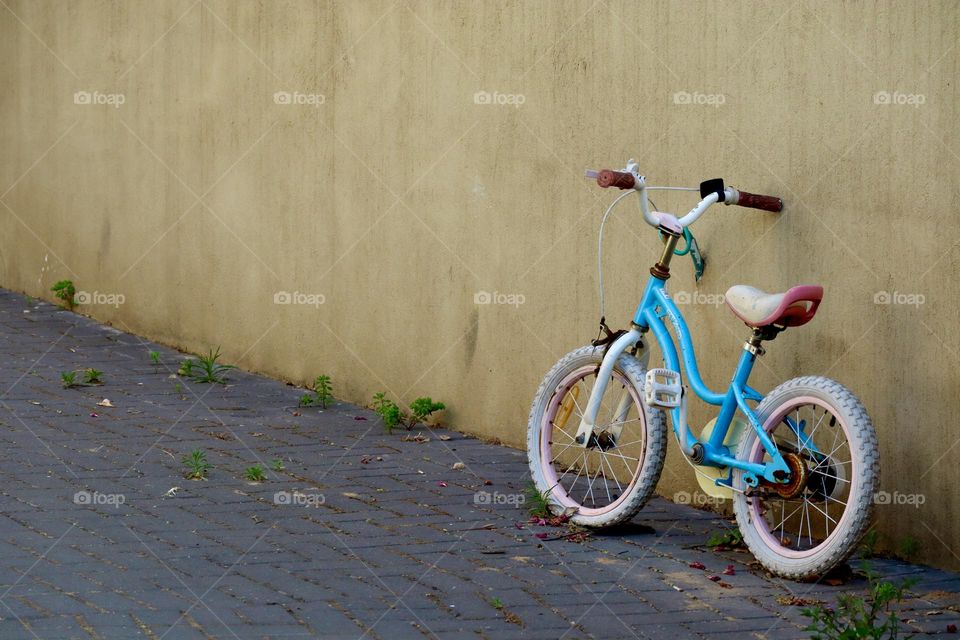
(384,539)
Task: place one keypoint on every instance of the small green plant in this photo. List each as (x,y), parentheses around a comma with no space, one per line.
(155,357)
(389,412)
(496,603)
(197,465)
(277,465)
(856,617)
(868,544)
(90,376)
(324,390)
(538,502)
(731,539)
(205,369)
(65,290)
(421,408)
(393,416)
(255,473)
(69,379)
(322,393)
(908,548)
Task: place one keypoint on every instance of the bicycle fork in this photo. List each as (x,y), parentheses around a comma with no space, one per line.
(586,433)
(588,422)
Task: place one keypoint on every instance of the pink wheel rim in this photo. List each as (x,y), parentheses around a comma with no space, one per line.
(546,436)
(756,455)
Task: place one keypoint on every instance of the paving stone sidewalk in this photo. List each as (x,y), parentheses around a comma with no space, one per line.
(361,535)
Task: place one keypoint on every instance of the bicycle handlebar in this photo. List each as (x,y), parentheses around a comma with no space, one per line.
(715,192)
(620,179)
(754,201)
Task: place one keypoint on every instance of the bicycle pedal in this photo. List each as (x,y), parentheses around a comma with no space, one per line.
(662,388)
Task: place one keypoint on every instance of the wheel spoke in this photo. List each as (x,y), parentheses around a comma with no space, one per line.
(614,474)
(587,475)
(579,469)
(812,504)
(827,458)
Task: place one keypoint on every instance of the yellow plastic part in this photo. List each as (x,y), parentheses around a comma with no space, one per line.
(566,408)
(734,433)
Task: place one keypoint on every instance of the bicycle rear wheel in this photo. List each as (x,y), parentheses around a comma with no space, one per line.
(811,523)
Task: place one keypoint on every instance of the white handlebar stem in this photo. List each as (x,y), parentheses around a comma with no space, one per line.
(639,183)
(698,210)
(730,196)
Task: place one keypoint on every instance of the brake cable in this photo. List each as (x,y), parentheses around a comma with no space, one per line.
(600,247)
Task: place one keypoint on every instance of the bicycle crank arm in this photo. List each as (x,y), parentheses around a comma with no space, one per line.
(588,421)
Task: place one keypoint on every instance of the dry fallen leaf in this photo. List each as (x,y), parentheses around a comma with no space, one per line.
(105,403)
(458,465)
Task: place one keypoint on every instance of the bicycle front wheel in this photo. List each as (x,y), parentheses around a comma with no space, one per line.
(609,481)
(809,524)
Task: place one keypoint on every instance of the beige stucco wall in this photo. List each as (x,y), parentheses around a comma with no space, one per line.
(399,198)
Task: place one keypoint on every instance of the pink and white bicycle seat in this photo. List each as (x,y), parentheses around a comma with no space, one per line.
(791,308)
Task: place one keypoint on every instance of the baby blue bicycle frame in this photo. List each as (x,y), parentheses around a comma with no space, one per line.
(656,305)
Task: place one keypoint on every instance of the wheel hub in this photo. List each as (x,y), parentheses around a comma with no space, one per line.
(603,441)
(796,481)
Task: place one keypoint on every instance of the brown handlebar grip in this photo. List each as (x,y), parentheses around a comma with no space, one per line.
(765,203)
(607,178)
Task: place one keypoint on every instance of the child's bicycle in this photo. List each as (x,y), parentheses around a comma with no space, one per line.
(800,469)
